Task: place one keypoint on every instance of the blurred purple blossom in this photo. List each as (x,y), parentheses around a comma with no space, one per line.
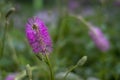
(99,39)
(117,3)
(11,76)
(38,36)
(73,4)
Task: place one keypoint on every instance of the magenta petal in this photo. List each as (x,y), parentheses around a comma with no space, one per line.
(38,38)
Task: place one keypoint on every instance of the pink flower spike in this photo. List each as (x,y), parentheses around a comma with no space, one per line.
(99,39)
(38,36)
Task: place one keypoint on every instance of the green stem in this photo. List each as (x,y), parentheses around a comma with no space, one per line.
(23,73)
(103,59)
(28,72)
(69,71)
(82,20)
(5,30)
(88,25)
(4,38)
(14,55)
(50,67)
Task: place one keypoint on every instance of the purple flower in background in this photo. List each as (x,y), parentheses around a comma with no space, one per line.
(73,4)
(38,36)
(99,39)
(10,77)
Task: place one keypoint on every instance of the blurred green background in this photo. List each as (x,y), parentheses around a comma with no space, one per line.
(70,38)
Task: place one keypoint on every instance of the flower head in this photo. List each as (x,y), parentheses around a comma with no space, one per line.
(99,39)
(38,36)
(10,77)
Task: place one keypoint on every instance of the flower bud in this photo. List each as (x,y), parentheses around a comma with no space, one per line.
(82,61)
(9,12)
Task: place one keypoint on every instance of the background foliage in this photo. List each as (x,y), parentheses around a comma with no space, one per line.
(70,37)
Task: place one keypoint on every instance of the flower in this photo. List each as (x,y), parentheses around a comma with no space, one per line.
(38,36)
(11,77)
(73,4)
(99,39)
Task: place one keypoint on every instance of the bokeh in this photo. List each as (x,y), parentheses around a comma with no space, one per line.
(70,38)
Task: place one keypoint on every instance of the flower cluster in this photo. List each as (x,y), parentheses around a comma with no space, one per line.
(38,36)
